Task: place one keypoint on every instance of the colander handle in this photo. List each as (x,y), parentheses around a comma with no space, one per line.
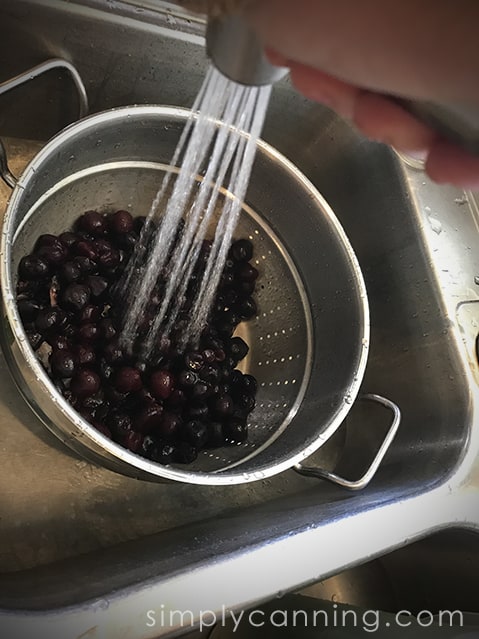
(362,482)
(31,74)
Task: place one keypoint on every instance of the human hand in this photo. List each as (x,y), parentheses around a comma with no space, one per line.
(367,50)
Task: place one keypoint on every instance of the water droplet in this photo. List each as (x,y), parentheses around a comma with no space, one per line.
(435,224)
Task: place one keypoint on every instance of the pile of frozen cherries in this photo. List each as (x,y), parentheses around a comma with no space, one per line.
(168,406)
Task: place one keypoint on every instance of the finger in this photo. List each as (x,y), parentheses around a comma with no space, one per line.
(376,116)
(323,88)
(381,119)
(448,163)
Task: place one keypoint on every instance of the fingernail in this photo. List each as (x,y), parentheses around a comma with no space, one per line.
(276,58)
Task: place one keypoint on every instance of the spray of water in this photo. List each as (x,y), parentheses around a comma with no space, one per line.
(216,151)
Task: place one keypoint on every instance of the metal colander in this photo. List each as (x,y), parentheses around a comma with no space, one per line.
(308,343)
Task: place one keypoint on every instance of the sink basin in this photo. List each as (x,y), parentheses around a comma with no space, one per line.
(424,590)
(86,552)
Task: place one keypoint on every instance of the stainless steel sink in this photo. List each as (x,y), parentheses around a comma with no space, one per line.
(85,552)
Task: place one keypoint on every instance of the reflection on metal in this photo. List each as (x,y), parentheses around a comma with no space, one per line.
(365,479)
(40,69)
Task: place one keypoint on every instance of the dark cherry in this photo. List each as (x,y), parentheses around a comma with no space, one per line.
(246,288)
(63,363)
(108,257)
(68,238)
(210,373)
(196,433)
(106,370)
(98,286)
(162,452)
(114,353)
(148,446)
(107,329)
(231,317)
(51,249)
(194,361)
(227,279)
(86,265)
(235,431)
(224,405)
(35,338)
(128,380)
(242,250)
(247,402)
(28,309)
(93,403)
(90,313)
(70,331)
(162,384)
(49,319)
(92,223)
(238,348)
(170,425)
(236,382)
(102,245)
(247,309)
(226,329)
(216,437)
(220,355)
(247,273)
(33,267)
(231,297)
(185,453)
(104,430)
(89,333)
(149,418)
(249,384)
(133,441)
(222,389)
(121,222)
(127,241)
(176,399)
(76,296)
(187,379)
(85,383)
(201,390)
(114,397)
(86,248)
(209,356)
(198,410)
(120,424)
(86,354)
(70,272)
(46,239)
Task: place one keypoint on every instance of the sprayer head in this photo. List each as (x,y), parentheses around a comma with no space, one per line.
(236,51)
